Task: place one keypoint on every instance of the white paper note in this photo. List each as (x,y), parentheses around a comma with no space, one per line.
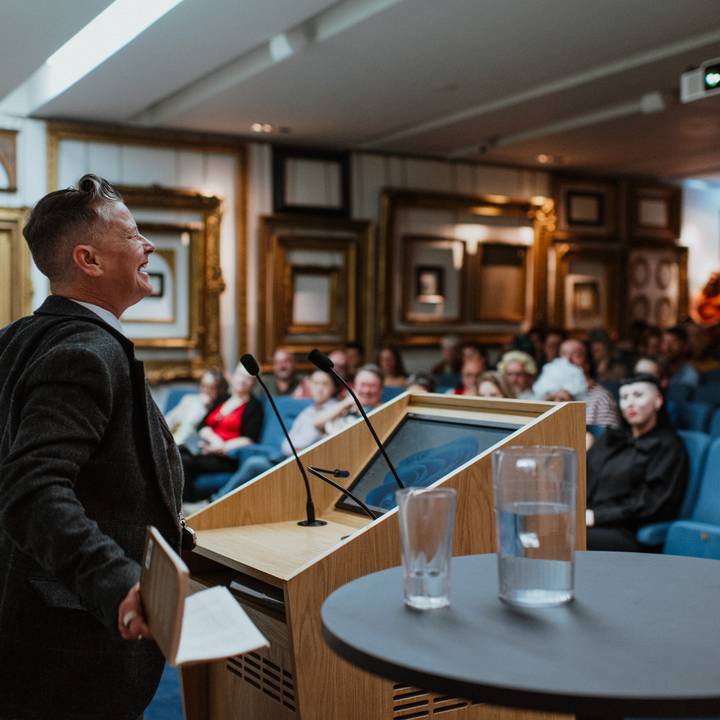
(214,626)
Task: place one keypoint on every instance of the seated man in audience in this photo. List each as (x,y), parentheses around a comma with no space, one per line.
(675,357)
(284,380)
(520,369)
(193,407)
(647,366)
(600,407)
(355,357)
(451,362)
(602,351)
(368,388)
(470,374)
(636,474)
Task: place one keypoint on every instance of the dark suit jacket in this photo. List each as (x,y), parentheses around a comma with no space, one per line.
(86,462)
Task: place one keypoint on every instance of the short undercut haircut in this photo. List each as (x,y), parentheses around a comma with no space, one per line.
(62,218)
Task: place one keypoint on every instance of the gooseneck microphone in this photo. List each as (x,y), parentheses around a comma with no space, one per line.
(324,363)
(318,473)
(250,364)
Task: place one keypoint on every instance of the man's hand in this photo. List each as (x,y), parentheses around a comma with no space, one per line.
(131,620)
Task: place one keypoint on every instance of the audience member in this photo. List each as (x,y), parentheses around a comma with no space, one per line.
(703,343)
(554,337)
(600,407)
(340,363)
(650,342)
(560,381)
(636,474)
(451,362)
(368,388)
(421,383)
(233,424)
(355,354)
(470,374)
(391,363)
(472,350)
(304,432)
(674,355)
(602,352)
(284,380)
(536,338)
(648,366)
(520,369)
(192,408)
(495,384)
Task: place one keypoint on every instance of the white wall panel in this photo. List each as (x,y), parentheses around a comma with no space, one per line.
(464,179)
(428,175)
(191,169)
(104,160)
(148,166)
(73,162)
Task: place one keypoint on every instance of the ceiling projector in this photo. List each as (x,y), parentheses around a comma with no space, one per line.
(701,82)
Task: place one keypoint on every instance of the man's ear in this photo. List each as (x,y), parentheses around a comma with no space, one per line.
(86,259)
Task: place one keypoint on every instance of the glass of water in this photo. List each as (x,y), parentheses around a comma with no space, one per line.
(427,520)
(535,490)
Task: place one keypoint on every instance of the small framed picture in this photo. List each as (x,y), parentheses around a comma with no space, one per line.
(429,283)
(655,212)
(586,207)
(157,281)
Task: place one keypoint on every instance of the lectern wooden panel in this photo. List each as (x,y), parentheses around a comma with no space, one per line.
(281,572)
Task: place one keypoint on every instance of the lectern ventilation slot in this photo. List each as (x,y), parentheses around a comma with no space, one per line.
(266,676)
(410,703)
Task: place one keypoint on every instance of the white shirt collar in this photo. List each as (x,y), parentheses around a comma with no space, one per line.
(103,314)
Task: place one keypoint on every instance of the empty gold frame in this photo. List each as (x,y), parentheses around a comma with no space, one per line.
(185,320)
(15,283)
(315,286)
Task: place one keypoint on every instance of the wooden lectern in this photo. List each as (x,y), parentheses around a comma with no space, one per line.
(281,572)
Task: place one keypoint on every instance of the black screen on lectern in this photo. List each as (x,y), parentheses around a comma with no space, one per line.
(423,450)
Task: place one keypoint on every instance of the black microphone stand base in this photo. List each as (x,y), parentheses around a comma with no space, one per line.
(312,523)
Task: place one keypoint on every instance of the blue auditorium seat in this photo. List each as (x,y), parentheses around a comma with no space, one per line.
(710,377)
(174,396)
(690,415)
(679,392)
(714,429)
(699,535)
(388,393)
(696,444)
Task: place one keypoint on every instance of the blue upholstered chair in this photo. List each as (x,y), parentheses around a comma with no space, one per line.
(714,429)
(174,396)
(388,393)
(679,392)
(710,377)
(709,394)
(696,444)
(690,415)
(699,535)
(268,446)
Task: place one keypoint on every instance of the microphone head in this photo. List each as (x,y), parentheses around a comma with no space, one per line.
(321,360)
(250,364)
(341,473)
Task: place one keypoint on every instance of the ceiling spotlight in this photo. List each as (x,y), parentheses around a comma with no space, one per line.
(544,158)
(261,127)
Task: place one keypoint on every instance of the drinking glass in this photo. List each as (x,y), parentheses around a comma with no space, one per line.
(427,519)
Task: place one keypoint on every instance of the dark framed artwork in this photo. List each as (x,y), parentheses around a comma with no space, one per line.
(157,281)
(655,212)
(429,283)
(311,182)
(585,207)
(499,288)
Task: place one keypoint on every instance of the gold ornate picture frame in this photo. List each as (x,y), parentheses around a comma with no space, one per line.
(189,256)
(15,281)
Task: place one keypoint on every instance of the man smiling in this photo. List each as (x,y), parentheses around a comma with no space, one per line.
(86,462)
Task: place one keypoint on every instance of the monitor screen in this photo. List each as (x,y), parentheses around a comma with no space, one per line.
(423,450)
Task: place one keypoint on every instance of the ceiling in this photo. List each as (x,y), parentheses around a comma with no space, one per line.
(497,81)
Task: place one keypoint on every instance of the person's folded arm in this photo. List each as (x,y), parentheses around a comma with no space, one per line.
(67,398)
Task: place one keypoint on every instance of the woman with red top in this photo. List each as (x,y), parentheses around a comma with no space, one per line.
(231,425)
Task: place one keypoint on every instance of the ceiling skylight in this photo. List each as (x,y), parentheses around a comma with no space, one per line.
(119,24)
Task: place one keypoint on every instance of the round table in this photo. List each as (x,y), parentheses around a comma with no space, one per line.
(642,637)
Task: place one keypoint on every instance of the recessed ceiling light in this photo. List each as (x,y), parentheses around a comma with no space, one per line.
(262,127)
(544,158)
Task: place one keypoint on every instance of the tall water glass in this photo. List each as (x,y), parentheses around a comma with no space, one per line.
(427,520)
(535,490)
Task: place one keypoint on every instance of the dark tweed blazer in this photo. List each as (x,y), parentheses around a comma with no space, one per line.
(86,462)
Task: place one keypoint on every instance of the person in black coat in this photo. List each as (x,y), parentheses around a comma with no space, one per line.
(86,463)
(636,474)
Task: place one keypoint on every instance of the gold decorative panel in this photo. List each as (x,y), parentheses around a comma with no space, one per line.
(15,283)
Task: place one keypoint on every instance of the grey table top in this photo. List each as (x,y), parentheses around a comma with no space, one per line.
(641,637)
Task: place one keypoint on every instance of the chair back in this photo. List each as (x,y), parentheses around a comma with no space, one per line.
(679,392)
(289,408)
(709,394)
(691,415)
(696,444)
(174,396)
(707,506)
(388,393)
(709,377)
(714,429)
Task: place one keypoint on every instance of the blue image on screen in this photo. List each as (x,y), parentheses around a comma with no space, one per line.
(423,451)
